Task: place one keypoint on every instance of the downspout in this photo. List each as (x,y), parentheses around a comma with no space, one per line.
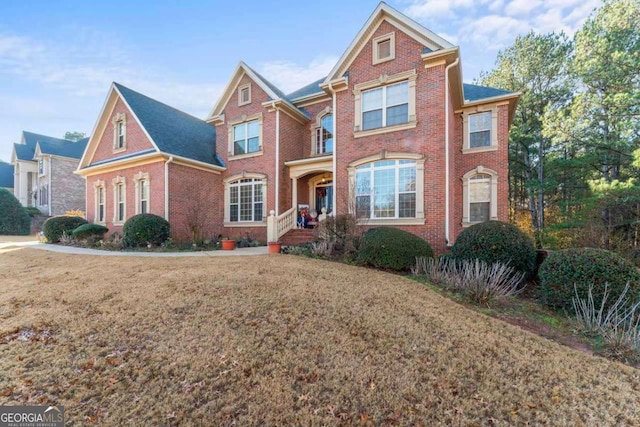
(277,180)
(49,172)
(166,187)
(334,160)
(446,151)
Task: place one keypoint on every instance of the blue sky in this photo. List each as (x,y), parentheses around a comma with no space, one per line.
(58,58)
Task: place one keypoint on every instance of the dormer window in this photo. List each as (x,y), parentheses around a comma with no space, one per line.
(119,132)
(244,94)
(384,48)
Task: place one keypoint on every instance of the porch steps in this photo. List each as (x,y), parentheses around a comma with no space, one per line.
(297,236)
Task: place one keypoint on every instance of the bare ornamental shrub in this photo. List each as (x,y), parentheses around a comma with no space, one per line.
(482,283)
(618,324)
(343,234)
(67,239)
(323,248)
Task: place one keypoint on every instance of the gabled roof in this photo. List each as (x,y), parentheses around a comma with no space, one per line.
(384,12)
(6,175)
(476,93)
(269,88)
(173,131)
(56,146)
(308,90)
(70,149)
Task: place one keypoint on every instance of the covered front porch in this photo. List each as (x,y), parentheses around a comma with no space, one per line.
(312,196)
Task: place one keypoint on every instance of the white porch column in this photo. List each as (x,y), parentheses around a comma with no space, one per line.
(272,229)
(294,193)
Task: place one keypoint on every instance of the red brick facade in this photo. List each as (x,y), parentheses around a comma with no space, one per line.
(198,198)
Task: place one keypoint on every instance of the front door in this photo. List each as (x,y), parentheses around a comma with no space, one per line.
(324,196)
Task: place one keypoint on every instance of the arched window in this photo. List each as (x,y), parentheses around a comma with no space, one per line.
(480,195)
(324,135)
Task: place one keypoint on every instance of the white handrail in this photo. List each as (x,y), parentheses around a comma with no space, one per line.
(278,226)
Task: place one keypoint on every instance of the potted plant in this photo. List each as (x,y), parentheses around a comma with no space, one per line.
(228,244)
(274,247)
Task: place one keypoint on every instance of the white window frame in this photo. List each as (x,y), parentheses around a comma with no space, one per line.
(493,206)
(234,182)
(241,90)
(99,185)
(244,120)
(391,37)
(410,76)
(141,179)
(466,129)
(419,190)
(117,183)
(119,124)
(316,134)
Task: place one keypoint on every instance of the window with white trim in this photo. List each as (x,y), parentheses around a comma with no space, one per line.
(246,137)
(386,189)
(480,196)
(385,106)
(100,202)
(120,199)
(141,180)
(246,200)
(384,48)
(324,135)
(480,130)
(43,196)
(119,132)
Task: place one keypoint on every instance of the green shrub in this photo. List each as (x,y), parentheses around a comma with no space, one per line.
(89,231)
(32,211)
(145,229)
(496,241)
(56,225)
(583,267)
(392,248)
(13,217)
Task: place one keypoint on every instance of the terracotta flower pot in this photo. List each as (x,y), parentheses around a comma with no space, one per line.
(228,245)
(274,247)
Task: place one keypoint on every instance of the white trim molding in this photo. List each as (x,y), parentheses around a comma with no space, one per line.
(375,45)
(138,179)
(227,200)
(97,186)
(242,100)
(242,120)
(117,182)
(119,120)
(468,112)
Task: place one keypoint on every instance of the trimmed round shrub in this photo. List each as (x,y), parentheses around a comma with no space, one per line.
(497,242)
(89,231)
(584,267)
(54,227)
(392,248)
(144,229)
(13,217)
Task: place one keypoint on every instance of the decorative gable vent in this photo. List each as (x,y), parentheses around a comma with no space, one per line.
(384,48)
(244,94)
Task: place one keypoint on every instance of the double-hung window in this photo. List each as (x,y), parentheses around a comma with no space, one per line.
(386,189)
(246,200)
(246,137)
(479,198)
(100,196)
(120,128)
(144,196)
(120,202)
(480,130)
(385,106)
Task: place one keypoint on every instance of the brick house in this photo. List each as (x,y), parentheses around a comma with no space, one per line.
(43,173)
(390,135)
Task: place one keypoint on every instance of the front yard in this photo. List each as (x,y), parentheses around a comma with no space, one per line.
(279,340)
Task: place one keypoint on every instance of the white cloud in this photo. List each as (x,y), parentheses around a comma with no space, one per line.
(492,31)
(521,7)
(434,9)
(289,76)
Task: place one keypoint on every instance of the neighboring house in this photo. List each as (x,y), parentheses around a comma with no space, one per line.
(43,173)
(391,135)
(6,176)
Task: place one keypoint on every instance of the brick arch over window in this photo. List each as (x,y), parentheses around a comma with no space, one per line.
(485,182)
(397,173)
(242,191)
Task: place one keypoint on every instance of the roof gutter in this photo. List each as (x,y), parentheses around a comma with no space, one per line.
(446,152)
(277,177)
(335,140)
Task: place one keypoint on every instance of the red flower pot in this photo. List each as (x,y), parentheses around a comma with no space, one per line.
(274,247)
(228,245)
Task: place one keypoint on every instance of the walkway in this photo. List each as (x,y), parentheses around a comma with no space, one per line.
(9,242)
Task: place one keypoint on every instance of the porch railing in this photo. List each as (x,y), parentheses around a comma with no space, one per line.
(278,226)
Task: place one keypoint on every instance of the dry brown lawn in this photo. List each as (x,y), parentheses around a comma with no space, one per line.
(279,340)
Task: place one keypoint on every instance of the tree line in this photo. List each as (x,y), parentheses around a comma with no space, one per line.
(574,146)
